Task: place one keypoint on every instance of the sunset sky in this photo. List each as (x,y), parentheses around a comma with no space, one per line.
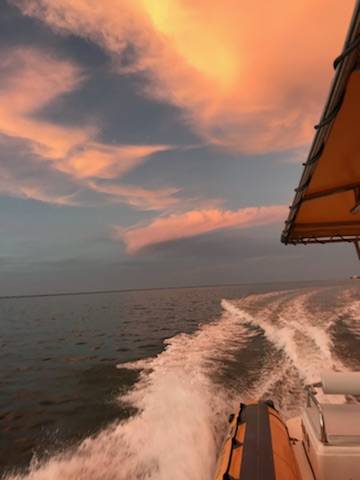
(156,143)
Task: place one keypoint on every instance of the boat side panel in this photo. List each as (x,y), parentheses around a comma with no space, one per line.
(257,447)
(284,459)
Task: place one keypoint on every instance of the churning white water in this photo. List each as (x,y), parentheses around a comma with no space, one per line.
(182,407)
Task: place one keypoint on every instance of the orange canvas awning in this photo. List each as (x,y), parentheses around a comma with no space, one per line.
(326,207)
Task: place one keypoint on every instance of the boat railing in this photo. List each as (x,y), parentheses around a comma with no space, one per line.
(312,399)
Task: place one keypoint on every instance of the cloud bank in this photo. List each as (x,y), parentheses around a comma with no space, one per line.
(196,222)
(249,76)
(61,160)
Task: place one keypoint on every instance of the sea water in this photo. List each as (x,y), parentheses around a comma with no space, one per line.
(138,385)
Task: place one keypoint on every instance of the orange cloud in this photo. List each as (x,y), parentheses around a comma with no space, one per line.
(24,177)
(30,191)
(196,222)
(30,80)
(138,197)
(249,76)
(107,161)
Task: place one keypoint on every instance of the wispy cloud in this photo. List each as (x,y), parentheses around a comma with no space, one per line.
(137,196)
(249,76)
(95,160)
(31,79)
(34,189)
(196,222)
(24,174)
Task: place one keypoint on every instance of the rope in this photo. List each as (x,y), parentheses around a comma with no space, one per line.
(332,114)
(355,44)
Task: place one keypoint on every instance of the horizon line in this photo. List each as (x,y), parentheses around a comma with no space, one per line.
(181,287)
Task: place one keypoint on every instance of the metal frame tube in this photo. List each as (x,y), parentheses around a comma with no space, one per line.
(311,397)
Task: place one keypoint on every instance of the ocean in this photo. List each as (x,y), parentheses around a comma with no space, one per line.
(139,384)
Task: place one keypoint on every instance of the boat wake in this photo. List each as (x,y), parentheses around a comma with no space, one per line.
(262,346)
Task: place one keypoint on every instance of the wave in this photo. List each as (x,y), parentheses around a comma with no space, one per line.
(350,311)
(181,404)
(303,336)
(180,420)
(304,339)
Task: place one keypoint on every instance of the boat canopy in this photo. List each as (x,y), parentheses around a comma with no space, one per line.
(326,207)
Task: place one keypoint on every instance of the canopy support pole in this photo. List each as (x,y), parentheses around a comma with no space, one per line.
(357,248)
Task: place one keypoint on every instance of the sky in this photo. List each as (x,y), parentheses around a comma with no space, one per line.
(158,143)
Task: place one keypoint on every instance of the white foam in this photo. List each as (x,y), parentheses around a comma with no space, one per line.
(182,410)
(351,310)
(176,432)
(302,335)
(292,327)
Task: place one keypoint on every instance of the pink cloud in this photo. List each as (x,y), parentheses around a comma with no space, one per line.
(196,222)
(249,76)
(28,179)
(30,80)
(138,197)
(33,191)
(97,160)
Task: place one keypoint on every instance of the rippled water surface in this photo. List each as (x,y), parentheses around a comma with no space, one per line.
(138,384)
